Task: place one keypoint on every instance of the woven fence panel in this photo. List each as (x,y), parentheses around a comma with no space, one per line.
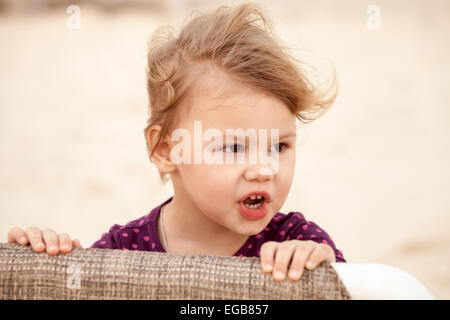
(118,274)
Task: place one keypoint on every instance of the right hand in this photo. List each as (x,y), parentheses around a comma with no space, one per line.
(43,240)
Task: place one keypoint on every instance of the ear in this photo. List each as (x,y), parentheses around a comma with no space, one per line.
(161,155)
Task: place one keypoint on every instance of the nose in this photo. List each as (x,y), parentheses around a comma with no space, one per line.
(259,173)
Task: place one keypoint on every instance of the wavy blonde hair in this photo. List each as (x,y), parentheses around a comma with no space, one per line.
(239,41)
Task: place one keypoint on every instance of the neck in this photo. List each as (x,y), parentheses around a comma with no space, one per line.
(187,230)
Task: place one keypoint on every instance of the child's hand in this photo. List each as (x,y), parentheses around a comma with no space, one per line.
(40,240)
(275,257)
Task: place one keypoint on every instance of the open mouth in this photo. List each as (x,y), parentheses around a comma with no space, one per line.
(254,205)
(254,201)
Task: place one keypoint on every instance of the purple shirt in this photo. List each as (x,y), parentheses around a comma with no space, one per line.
(142,234)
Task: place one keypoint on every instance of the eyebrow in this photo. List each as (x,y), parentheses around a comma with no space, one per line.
(288,135)
(283,135)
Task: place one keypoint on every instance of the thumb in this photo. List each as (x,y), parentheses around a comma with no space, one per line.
(76,243)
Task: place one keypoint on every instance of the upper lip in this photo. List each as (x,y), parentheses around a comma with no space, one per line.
(256,193)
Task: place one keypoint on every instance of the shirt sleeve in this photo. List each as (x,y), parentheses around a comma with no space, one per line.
(301,229)
(109,240)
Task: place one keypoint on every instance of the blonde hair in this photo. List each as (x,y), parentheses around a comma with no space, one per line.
(238,41)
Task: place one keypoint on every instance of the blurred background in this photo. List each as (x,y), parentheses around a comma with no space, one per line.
(373,171)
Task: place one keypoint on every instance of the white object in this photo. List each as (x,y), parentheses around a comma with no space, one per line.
(380,282)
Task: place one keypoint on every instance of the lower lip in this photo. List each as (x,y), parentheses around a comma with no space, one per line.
(253,214)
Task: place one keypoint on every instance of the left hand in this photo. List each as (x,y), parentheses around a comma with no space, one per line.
(275,257)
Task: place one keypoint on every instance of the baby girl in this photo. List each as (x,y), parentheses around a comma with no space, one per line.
(227,77)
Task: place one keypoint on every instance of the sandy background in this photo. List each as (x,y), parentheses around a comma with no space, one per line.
(373,172)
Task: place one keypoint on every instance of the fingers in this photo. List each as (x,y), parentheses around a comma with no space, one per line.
(295,255)
(17,235)
(283,258)
(51,241)
(267,254)
(292,254)
(276,257)
(76,243)
(43,240)
(65,243)
(301,254)
(322,252)
(57,243)
(35,238)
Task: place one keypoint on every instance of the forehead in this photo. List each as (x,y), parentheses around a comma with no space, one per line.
(221,102)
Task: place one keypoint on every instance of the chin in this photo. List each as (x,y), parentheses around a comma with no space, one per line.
(252,228)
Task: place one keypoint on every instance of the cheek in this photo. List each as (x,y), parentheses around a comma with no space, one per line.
(221,182)
(206,182)
(285,174)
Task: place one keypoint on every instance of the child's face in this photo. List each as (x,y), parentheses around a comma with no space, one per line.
(215,190)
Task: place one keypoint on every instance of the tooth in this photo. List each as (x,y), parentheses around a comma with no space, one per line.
(258,197)
(253,197)
(253,206)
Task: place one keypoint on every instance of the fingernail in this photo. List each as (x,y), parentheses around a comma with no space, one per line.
(22,240)
(39,245)
(52,248)
(294,274)
(279,275)
(65,247)
(310,264)
(267,267)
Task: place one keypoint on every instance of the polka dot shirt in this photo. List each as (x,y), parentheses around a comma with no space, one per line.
(142,234)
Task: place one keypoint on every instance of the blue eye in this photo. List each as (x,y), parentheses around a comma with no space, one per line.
(233,148)
(279,147)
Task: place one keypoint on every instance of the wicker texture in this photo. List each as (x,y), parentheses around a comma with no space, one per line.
(117,274)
